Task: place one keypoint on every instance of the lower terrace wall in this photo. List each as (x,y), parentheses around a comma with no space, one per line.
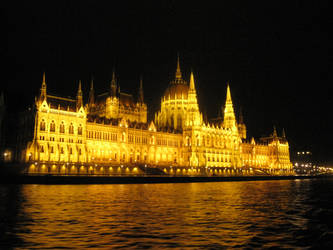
(46,168)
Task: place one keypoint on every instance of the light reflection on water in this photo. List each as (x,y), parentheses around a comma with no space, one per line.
(199,215)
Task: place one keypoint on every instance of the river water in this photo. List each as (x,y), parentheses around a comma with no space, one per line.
(254,214)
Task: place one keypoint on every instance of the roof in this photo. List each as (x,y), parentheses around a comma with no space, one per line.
(176,91)
(63,103)
(126,100)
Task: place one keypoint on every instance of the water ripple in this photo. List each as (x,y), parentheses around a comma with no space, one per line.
(261,214)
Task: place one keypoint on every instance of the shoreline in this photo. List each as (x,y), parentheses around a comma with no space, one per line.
(65,180)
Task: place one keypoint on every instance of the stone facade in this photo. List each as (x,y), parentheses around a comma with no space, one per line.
(110,135)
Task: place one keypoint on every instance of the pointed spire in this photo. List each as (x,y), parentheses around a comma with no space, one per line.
(228,94)
(283,133)
(274,132)
(113,87)
(229,119)
(113,81)
(44,82)
(79,100)
(79,92)
(91,100)
(178,72)
(140,91)
(192,85)
(43,89)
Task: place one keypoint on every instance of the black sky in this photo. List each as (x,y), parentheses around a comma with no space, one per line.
(277,56)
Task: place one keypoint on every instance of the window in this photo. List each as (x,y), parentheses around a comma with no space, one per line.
(42,149)
(51,150)
(79,151)
(79,130)
(52,127)
(71,129)
(42,125)
(179,122)
(61,150)
(62,127)
(70,150)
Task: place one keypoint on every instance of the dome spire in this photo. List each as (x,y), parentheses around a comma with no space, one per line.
(113,85)
(178,72)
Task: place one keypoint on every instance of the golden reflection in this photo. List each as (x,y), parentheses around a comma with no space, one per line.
(186,214)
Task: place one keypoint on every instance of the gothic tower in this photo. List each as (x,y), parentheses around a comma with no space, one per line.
(229,120)
(194,118)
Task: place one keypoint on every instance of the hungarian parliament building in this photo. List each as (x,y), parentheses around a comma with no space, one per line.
(110,135)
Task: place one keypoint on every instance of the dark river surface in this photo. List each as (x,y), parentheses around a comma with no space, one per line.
(254,214)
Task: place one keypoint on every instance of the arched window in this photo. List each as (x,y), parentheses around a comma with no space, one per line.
(42,149)
(179,122)
(79,130)
(188,140)
(172,123)
(62,127)
(42,125)
(71,129)
(52,127)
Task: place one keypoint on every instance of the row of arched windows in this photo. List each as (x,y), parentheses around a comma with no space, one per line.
(42,127)
(216,141)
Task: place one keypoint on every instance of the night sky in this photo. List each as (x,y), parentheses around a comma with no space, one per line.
(278,57)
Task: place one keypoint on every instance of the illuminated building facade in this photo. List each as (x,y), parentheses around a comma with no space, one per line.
(110,135)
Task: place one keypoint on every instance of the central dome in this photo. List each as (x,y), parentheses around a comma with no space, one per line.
(176,91)
(178,88)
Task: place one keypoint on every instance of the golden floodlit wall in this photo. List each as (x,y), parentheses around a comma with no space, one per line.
(110,135)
